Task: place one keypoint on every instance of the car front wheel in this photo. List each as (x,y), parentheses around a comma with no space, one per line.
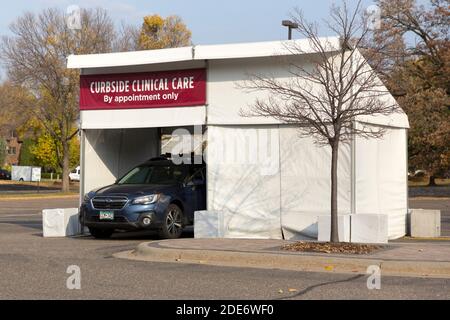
(101,233)
(173,223)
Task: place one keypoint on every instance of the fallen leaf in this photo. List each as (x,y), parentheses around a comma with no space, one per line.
(327,247)
(329,268)
(280,291)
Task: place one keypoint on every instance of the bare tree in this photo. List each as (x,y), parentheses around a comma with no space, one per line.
(35,58)
(325,94)
(420,79)
(127,38)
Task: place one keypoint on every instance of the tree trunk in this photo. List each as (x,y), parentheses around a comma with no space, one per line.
(65,169)
(334,236)
(432,182)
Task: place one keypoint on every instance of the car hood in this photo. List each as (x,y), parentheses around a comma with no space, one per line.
(134,190)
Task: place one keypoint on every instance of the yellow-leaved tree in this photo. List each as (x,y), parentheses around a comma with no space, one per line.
(158,33)
(35,58)
(46,152)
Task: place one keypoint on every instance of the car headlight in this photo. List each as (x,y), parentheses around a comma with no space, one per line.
(146,199)
(88,196)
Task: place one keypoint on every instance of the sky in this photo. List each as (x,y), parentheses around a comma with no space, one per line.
(211,21)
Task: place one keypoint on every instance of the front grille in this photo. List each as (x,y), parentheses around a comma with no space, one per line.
(118,219)
(109,203)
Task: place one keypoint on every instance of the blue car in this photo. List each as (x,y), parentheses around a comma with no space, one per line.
(156,195)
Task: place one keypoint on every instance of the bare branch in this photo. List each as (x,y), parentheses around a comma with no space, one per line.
(330,87)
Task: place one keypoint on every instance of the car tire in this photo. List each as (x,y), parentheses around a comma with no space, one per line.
(101,233)
(172,225)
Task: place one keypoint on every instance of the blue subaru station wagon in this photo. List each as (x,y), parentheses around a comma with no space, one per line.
(156,195)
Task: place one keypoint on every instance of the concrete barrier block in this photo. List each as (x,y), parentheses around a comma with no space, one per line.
(425,223)
(369,228)
(208,224)
(324,224)
(60,222)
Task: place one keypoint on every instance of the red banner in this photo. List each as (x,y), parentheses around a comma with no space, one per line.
(180,88)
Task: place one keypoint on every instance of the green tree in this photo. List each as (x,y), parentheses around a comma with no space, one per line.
(2,152)
(26,157)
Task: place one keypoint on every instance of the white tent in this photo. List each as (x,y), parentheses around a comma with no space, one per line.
(264,179)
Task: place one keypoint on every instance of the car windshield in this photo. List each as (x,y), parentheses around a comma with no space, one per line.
(154,175)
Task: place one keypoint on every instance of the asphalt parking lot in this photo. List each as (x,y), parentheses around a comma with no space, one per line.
(34,267)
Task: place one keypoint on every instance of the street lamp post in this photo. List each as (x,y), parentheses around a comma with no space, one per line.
(291,25)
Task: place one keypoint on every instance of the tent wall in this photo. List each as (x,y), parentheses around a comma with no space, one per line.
(306,183)
(109,154)
(381,185)
(226,97)
(283,181)
(260,195)
(244,180)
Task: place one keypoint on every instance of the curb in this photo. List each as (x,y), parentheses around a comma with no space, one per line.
(292,262)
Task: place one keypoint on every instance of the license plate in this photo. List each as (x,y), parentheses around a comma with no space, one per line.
(106,215)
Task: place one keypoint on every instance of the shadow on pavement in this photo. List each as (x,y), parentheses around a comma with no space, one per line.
(310,288)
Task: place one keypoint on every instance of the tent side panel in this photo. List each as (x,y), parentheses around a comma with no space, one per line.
(227,98)
(381,183)
(244,181)
(100,158)
(108,154)
(306,184)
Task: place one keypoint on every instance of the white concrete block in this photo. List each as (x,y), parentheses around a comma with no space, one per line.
(208,224)
(60,222)
(425,223)
(369,228)
(299,225)
(324,223)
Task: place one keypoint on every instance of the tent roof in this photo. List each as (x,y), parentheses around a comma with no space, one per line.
(199,52)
